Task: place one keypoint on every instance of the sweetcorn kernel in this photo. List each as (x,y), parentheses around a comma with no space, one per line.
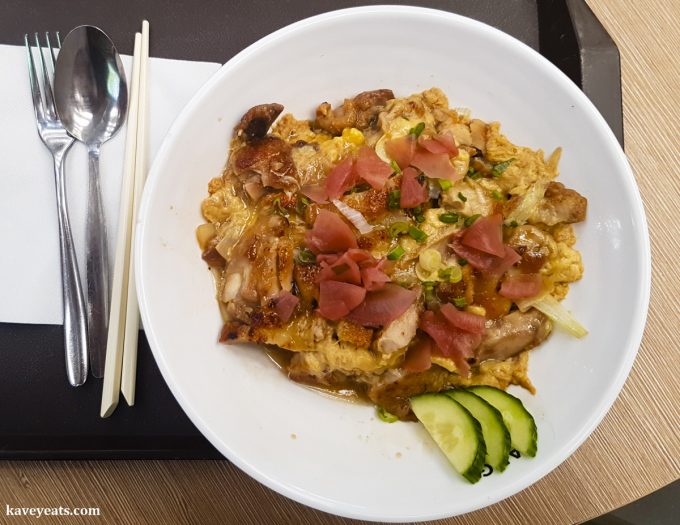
(353,136)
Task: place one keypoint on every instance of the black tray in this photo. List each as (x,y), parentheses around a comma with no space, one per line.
(41,417)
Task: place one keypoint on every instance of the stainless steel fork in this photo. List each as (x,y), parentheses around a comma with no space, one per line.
(58,141)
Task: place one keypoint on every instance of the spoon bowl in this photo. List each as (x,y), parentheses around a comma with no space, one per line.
(91,93)
(91,98)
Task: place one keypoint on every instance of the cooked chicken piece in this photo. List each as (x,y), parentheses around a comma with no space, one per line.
(305,280)
(359,112)
(560,205)
(331,355)
(372,204)
(393,391)
(285,263)
(212,256)
(398,333)
(353,333)
(257,121)
(533,245)
(271,159)
(509,335)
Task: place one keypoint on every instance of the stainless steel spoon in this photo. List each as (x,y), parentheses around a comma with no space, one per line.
(91,97)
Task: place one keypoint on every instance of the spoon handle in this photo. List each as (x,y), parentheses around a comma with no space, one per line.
(97,259)
(75,328)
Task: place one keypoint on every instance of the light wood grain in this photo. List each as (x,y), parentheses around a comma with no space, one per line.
(635,450)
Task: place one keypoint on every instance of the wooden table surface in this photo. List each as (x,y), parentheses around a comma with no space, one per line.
(636,449)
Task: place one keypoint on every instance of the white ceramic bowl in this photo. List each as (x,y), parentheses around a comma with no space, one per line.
(336,456)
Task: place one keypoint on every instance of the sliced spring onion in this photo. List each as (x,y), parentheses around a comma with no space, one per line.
(531,199)
(354,216)
(462,262)
(499,168)
(430,259)
(460,302)
(395,167)
(473,174)
(301,204)
(449,218)
(462,197)
(397,228)
(304,256)
(385,416)
(558,313)
(393,199)
(417,234)
(278,209)
(428,292)
(417,130)
(469,221)
(497,195)
(452,274)
(514,224)
(396,254)
(417,213)
(444,184)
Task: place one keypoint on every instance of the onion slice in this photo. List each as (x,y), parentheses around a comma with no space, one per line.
(530,201)
(551,307)
(353,216)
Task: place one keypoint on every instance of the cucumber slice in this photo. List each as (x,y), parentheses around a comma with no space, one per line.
(456,432)
(496,435)
(522,427)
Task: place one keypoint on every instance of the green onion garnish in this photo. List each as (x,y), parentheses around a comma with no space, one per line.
(460,302)
(305,256)
(497,195)
(418,214)
(514,224)
(449,218)
(340,269)
(428,291)
(469,221)
(301,204)
(462,262)
(445,274)
(278,209)
(393,199)
(444,184)
(417,234)
(473,174)
(385,416)
(397,228)
(500,167)
(396,254)
(462,197)
(395,167)
(417,130)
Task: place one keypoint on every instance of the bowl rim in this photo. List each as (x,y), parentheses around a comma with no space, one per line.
(549,463)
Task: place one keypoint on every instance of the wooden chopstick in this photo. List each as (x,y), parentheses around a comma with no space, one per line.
(116,334)
(128,380)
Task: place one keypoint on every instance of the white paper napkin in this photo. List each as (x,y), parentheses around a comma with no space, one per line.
(30,274)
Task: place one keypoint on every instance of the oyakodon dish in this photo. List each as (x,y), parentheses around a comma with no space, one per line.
(393,245)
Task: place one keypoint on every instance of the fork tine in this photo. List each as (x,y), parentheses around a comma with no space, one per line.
(58,40)
(49,46)
(48,99)
(35,87)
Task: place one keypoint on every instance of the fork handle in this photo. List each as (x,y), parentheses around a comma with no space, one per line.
(75,327)
(97,259)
